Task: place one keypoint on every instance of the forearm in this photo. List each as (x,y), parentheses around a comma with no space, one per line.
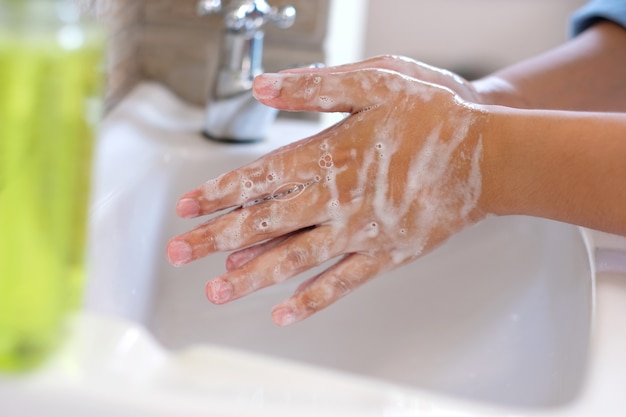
(567,166)
(587,73)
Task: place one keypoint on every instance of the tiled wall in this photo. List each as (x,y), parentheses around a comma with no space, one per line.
(164,40)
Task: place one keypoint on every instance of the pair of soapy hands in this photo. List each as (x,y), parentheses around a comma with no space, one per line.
(392,181)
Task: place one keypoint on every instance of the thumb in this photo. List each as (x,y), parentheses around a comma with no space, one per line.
(346,92)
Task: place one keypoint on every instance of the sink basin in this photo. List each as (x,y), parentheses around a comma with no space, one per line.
(491,317)
(500,315)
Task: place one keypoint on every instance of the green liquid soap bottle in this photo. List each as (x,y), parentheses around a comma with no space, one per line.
(51,71)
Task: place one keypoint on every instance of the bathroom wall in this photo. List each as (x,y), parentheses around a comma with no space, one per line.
(164,40)
(471,36)
(346,31)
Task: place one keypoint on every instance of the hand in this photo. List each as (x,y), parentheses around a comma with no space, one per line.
(387,184)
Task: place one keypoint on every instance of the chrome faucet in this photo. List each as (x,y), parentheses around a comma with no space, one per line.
(232,113)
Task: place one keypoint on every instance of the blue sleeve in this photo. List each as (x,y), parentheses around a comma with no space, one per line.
(598,10)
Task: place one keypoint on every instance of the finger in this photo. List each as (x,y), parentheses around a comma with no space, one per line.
(275,173)
(416,69)
(347,92)
(248,226)
(229,190)
(422,72)
(403,65)
(295,255)
(238,259)
(325,289)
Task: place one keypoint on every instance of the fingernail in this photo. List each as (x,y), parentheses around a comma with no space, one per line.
(188,208)
(219,291)
(267,86)
(179,252)
(284,316)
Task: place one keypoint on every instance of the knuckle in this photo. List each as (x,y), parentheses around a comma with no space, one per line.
(248,281)
(297,258)
(340,286)
(207,239)
(257,221)
(311,303)
(395,62)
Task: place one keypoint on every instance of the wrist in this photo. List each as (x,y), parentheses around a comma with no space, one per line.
(502,167)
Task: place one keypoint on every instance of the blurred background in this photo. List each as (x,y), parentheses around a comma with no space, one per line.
(165,41)
(471,37)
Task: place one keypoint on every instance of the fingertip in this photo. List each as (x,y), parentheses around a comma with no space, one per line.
(188,208)
(283,315)
(179,252)
(267,86)
(219,291)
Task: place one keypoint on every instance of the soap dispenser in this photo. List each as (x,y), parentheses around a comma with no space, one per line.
(51,73)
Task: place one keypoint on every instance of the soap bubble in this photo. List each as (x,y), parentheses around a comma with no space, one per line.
(326,161)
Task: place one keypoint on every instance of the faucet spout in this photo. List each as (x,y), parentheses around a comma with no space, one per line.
(239,118)
(232,113)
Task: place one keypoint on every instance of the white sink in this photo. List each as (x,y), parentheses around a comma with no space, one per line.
(498,320)
(501,314)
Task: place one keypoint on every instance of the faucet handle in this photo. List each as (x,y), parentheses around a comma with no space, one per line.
(247,15)
(283,17)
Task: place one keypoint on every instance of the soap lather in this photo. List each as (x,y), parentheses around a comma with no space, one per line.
(232,113)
